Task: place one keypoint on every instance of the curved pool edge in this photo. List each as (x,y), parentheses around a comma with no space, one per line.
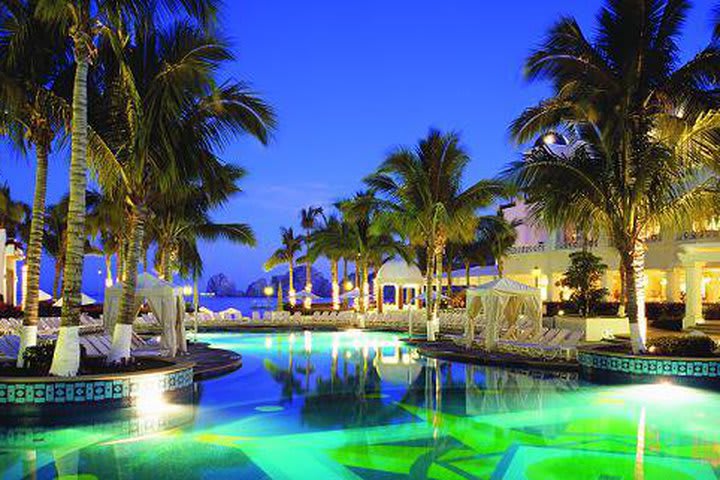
(37,396)
(475,358)
(598,365)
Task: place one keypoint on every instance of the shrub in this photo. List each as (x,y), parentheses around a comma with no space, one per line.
(39,357)
(683,346)
(583,277)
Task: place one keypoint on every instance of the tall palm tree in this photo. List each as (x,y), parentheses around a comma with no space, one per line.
(167,119)
(291,246)
(83,21)
(183,217)
(424,190)
(33,73)
(372,242)
(474,252)
(309,221)
(12,212)
(330,240)
(107,224)
(497,236)
(55,235)
(616,93)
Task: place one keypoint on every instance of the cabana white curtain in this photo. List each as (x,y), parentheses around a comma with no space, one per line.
(498,303)
(165,302)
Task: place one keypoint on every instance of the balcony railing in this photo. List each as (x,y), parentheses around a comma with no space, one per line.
(538,247)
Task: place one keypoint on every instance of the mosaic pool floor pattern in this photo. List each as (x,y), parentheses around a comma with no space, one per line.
(364,406)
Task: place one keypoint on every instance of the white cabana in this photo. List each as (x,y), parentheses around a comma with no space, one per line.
(400,275)
(165,301)
(499,303)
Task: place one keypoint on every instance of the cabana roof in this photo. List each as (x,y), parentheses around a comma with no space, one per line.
(504,286)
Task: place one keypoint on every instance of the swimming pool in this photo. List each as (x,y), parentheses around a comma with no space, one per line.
(364,405)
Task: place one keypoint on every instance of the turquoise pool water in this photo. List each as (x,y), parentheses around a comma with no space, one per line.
(363,405)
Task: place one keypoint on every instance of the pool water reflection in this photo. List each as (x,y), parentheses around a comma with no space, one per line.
(364,405)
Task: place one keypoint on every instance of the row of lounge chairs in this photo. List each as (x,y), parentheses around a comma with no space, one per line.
(546,344)
(50,325)
(95,345)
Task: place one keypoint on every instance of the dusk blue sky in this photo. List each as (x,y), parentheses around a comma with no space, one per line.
(350,80)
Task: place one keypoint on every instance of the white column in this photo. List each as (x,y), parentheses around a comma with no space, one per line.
(693,294)
(672,286)
(397,295)
(607,284)
(24,285)
(551,297)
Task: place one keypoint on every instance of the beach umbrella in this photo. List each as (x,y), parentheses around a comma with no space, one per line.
(44,296)
(85,300)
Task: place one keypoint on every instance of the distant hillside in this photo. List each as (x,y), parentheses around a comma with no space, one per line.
(222,286)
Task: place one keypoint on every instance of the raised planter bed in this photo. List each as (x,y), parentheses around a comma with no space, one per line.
(35,396)
(609,364)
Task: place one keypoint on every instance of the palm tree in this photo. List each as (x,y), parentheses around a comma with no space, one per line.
(55,234)
(330,240)
(309,221)
(83,21)
(33,70)
(107,224)
(291,246)
(167,118)
(12,212)
(372,242)
(182,218)
(497,236)
(474,252)
(617,93)
(426,200)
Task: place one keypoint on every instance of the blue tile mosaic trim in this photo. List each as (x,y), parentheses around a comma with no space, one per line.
(650,366)
(94,391)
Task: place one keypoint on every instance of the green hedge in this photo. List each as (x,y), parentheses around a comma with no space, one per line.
(683,346)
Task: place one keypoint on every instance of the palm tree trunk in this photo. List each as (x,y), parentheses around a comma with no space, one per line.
(122,335)
(621,297)
(429,269)
(167,273)
(634,264)
(335,284)
(449,277)
(66,359)
(467,274)
(307,303)
(439,250)
(345,279)
(56,278)
(163,266)
(28,333)
(120,261)
(108,270)
(291,283)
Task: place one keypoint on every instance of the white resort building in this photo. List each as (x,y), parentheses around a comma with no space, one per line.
(679,268)
(9,268)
